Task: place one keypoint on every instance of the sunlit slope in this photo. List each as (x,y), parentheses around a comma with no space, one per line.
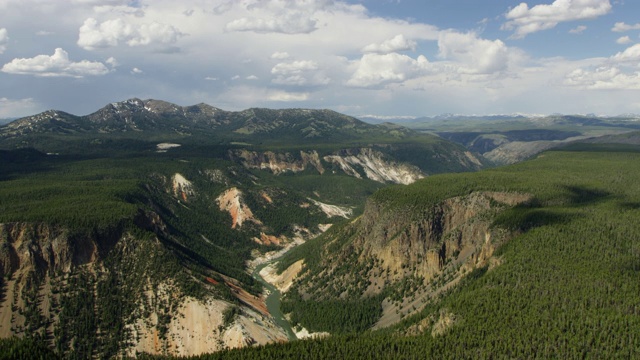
(566,285)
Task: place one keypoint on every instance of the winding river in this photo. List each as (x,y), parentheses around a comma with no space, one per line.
(273,302)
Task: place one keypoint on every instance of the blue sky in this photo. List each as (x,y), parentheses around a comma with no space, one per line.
(359,57)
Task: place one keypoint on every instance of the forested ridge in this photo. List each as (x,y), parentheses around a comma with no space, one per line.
(567,286)
(117,216)
(564,286)
(146,231)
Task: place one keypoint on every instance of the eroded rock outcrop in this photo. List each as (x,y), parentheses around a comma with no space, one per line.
(40,246)
(181,187)
(284,280)
(375,166)
(453,230)
(333,210)
(411,254)
(231,202)
(278,163)
(358,162)
(198,326)
(45,270)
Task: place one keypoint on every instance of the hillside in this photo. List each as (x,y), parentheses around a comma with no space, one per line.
(276,140)
(537,259)
(135,228)
(508,139)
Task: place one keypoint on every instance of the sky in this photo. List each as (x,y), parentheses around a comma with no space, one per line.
(385,58)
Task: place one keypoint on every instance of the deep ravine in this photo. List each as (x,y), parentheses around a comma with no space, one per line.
(273,301)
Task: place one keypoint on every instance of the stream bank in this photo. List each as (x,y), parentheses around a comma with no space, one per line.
(273,302)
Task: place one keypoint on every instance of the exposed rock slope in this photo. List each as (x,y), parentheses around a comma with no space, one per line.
(375,166)
(399,249)
(49,272)
(231,202)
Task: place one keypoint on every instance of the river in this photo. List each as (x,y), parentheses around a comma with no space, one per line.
(273,302)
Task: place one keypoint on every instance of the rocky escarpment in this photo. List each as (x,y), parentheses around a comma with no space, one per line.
(359,162)
(375,166)
(181,187)
(410,255)
(278,163)
(112,292)
(457,229)
(36,260)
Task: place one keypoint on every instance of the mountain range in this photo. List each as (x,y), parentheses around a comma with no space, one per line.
(148,227)
(163,210)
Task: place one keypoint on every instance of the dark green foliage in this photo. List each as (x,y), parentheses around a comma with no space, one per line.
(568,285)
(333,316)
(229,315)
(25,349)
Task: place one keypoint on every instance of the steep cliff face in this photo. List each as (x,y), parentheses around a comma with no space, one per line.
(358,162)
(32,258)
(375,166)
(408,255)
(30,247)
(278,163)
(457,229)
(111,292)
(197,326)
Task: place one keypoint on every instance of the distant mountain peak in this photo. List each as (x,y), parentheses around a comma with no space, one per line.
(161,117)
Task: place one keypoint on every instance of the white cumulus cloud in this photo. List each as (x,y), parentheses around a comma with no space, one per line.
(57,64)
(398,43)
(524,20)
(472,54)
(623,40)
(4,39)
(280,55)
(301,72)
(110,33)
(618,72)
(622,27)
(604,78)
(112,62)
(378,69)
(294,67)
(630,55)
(278,16)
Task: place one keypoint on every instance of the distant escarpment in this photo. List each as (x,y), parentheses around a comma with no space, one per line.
(359,163)
(279,141)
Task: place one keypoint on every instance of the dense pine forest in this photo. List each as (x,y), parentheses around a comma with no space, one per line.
(128,220)
(567,286)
